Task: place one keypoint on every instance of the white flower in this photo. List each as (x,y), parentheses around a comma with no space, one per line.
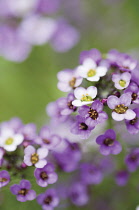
(91,71)
(121,81)
(137,208)
(84,96)
(10,140)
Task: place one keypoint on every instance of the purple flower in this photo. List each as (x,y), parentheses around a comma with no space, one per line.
(120,107)
(68,80)
(47,138)
(78,194)
(133,125)
(1,156)
(132,160)
(133,89)
(46,175)
(121,177)
(121,80)
(65,37)
(29,131)
(33,157)
(48,200)
(135,75)
(4,178)
(73,151)
(108,144)
(94,54)
(66,106)
(81,128)
(91,174)
(94,114)
(23,191)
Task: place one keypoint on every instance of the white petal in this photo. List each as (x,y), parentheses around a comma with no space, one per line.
(42,152)
(89,63)
(117,117)
(18,139)
(92,91)
(41,163)
(79,92)
(10,148)
(77,103)
(130,114)
(29,150)
(101,70)
(126,76)
(82,71)
(94,78)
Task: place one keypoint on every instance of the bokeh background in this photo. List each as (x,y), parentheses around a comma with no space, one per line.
(26,88)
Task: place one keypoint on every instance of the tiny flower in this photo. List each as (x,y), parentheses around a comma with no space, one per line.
(93,114)
(84,96)
(78,194)
(33,157)
(133,125)
(68,80)
(91,174)
(47,138)
(93,54)
(91,71)
(23,191)
(121,177)
(81,128)
(10,140)
(132,160)
(4,178)
(121,81)
(120,107)
(133,89)
(48,200)
(45,175)
(108,144)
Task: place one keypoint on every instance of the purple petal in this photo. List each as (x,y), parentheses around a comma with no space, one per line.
(113,101)
(97,105)
(104,150)
(15,189)
(31,195)
(110,134)
(116,148)
(125,99)
(25,184)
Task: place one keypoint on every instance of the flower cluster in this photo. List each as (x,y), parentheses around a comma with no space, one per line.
(36,22)
(83,137)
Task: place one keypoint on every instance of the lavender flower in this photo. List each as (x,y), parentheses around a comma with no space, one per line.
(93,114)
(133,125)
(45,175)
(120,107)
(133,89)
(93,54)
(91,174)
(132,160)
(48,7)
(78,194)
(48,200)
(23,191)
(4,178)
(68,80)
(121,178)
(108,144)
(33,157)
(81,128)
(121,81)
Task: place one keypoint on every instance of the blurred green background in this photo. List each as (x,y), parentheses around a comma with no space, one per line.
(26,88)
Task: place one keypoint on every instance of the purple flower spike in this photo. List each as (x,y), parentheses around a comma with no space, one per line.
(91,174)
(132,160)
(133,89)
(108,144)
(120,107)
(133,125)
(78,194)
(33,157)
(94,114)
(23,191)
(4,178)
(81,128)
(46,175)
(122,177)
(48,200)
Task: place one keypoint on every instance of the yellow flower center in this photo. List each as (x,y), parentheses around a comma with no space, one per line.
(122,83)
(34,158)
(120,109)
(91,73)
(9,141)
(86,98)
